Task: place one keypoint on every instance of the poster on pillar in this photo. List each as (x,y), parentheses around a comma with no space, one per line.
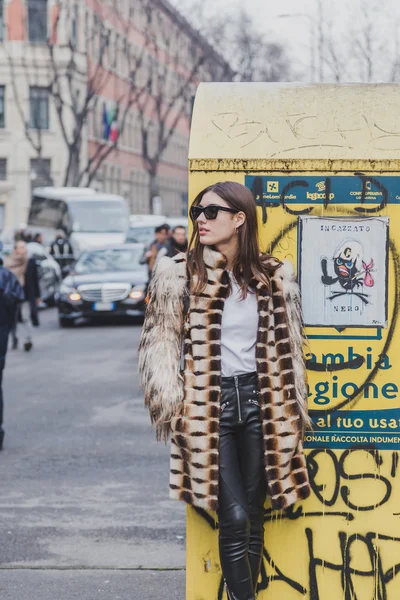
(343,271)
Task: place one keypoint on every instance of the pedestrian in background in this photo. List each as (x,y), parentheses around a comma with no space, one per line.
(11,295)
(237,407)
(25,270)
(38,238)
(20,234)
(62,252)
(177,242)
(61,245)
(161,241)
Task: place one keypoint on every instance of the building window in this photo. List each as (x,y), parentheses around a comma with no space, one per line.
(1,20)
(2,106)
(39,107)
(3,169)
(111,179)
(74,28)
(41,172)
(86,26)
(37,20)
(116,52)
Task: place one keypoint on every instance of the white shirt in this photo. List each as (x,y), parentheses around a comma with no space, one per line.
(239,332)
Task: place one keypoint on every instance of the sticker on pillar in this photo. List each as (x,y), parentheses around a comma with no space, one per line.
(343,271)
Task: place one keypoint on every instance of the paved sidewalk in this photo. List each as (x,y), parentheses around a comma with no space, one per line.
(28,584)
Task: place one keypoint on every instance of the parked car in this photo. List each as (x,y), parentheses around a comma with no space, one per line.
(49,272)
(140,234)
(146,219)
(105,282)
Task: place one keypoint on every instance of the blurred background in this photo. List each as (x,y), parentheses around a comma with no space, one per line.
(96,98)
(100,93)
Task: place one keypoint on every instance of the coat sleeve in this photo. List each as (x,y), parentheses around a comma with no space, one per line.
(12,295)
(160,344)
(294,314)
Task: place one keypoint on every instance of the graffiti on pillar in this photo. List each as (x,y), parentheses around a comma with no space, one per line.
(358,194)
(342,543)
(343,271)
(349,530)
(343,559)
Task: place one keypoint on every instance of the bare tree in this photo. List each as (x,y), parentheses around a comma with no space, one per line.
(366,43)
(75,65)
(363,45)
(253,57)
(177,59)
(251,52)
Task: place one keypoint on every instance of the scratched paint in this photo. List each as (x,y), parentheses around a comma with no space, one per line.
(238,121)
(343,543)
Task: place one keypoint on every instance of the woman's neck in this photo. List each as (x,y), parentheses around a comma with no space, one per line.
(229,250)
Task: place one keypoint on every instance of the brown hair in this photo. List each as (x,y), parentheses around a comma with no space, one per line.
(247,264)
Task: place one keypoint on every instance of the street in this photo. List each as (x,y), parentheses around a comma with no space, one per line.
(84,508)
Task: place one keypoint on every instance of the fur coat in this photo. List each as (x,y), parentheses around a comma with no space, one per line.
(185,403)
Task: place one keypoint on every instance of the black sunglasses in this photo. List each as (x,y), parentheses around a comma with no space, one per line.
(210,212)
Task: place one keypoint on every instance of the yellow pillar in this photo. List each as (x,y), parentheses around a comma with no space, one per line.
(323,165)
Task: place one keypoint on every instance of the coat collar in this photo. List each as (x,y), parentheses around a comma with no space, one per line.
(214,259)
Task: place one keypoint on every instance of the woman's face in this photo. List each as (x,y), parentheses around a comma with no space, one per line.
(21,249)
(219,230)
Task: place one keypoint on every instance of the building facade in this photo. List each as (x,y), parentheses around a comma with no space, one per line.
(139,62)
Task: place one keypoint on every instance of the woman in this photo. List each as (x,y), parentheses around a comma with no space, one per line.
(237,411)
(25,270)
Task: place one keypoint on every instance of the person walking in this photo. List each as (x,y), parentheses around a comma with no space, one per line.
(25,270)
(234,399)
(11,295)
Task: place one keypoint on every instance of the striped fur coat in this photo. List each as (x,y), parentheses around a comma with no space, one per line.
(185,403)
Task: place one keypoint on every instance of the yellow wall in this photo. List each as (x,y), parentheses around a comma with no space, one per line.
(344,541)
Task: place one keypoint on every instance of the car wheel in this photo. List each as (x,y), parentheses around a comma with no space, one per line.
(65,323)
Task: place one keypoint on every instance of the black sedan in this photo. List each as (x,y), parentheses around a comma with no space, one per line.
(105,282)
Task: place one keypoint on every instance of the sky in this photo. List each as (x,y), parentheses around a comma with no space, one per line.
(343,21)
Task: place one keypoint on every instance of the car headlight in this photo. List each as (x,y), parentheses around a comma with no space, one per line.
(72,293)
(137,292)
(74,296)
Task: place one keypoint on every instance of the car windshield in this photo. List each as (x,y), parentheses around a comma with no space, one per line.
(92,216)
(141,235)
(109,259)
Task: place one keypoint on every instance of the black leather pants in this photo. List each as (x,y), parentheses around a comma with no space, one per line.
(242,487)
